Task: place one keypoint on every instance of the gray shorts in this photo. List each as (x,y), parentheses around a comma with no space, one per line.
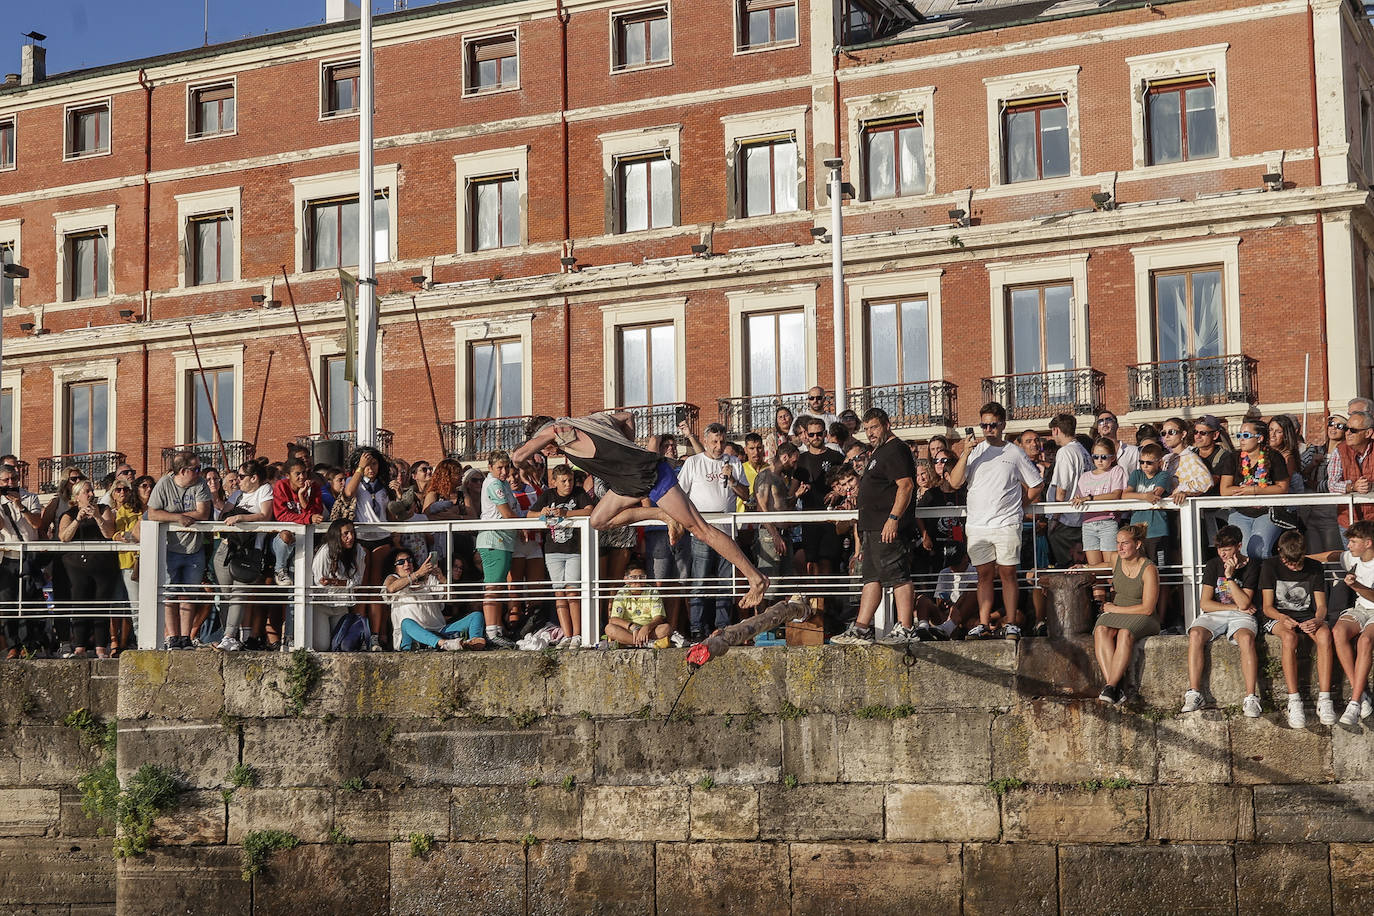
(1361,616)
(1225,623)
(565,570)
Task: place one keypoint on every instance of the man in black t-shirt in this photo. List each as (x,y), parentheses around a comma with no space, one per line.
(886,529)
(1294,588)
(820,541)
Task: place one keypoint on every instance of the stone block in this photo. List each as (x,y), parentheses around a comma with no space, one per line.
(458,879)
(499,683)
(171,685)
(376,815)
(37,873)
(927,747)
(29,812)
(941,813)
(198,819)
(1072,815)
(1194,748)
(388,685)
(465,752)
(103,697)
(1322,814)
(1160,672)
(75,823)
(635,813)
(734,749)
(338,879)
(1063,668)
(725,813)
(1352,879)
(1283,880)
(722,878)
(314,752)
(975,675)
(1264,751)
(43,690)
(1010,880)
(1146,880)
(52,755)
(604,878)
(176,880)
(255,685)
(550,812)
(810,748)
(833,879)
(201,755)
(1202,814)
(307,813)
(9,758)
(1352,754)
(1068,742)
(747,680)
(604,683)
(821,812)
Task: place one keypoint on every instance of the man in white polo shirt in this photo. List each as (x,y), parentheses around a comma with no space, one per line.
(711,480)
(1001,479)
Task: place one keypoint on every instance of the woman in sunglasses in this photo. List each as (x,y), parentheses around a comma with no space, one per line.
(1322,524)
(1260,471)
(128,510)
(1103,482)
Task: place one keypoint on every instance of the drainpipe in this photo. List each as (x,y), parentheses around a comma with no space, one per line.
(1321,244)
(147,316)
(563,18)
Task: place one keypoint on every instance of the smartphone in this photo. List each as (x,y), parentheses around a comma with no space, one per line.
(968,431)
(680,415)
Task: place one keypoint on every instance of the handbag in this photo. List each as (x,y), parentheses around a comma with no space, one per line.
(248,564)
(1283,517)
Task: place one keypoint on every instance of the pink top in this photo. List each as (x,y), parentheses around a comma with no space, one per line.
(1093,484)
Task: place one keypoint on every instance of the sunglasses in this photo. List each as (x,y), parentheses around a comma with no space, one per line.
(1204,432)
(815,397)
(424,468)
(405,561)
(941,461)
(1147,464)
(1357,429)
(1102,457)
(633,577)
(1334,425)
(1249,436)
(1105,421)
(815,435)
(990,425)
(119,490)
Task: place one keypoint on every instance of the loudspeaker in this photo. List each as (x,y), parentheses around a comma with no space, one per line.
(329,451)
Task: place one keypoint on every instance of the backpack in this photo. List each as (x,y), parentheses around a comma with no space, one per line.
(350,634)
(238,540)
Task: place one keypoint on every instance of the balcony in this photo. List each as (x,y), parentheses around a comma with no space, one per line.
(657,419)
(757,413)
(235,453)
(350,438)
(474,440)
(1198,382)
(1038,395)
(931,403)
(94,465)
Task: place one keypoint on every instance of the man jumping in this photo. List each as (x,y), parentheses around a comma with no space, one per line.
(603,444)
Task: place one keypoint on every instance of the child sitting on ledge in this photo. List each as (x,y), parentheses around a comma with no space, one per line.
(637,617)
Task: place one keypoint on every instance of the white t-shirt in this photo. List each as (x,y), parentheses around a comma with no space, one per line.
(422,603)
(1364,574)
(704,480)
(995,475)
(1070,463)
(951,585)
(253,503)
(1128,456)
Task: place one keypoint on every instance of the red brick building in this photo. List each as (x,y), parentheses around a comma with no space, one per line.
(1160,207)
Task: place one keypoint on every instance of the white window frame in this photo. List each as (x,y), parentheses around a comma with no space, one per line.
(1193,254)
(913,284)
(1146,68)
(325,67)
(747,302)
(621,144)
(11,380)
(470,90)
(740,129)
(320,347)
(1069,268)
(77,221)
(1002,90)
(919,103)
(222,358)
(633,314)
(203,203)
(105,370)
(191,90)
(629,12)
(67,154)
(497,327)
(741,48)
(471,166)
(10,230)
(13,122)
(306,190)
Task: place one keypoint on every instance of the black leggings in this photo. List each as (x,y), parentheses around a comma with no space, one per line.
(90,581)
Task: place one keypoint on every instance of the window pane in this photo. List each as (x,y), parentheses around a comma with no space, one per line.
(6,284)
(6,145)
(102,266)
(200,411)
(348,234)
(1021,165)
(99,441)
(6,436)
(340,395)
(763,355)
(344,99)
(882,343)
(487,73)
(381,229)
(784,177)
(207,248)
(227,114)
(634,360)
(226,250)
(758,172)
(510,214)
(1171,322)
(915,341)
(1025,331)
(1166,143)
(511,402)
(1058,328)
(658,39)
(1202,122)
(882,175)
(483,382)
(913,160)
(636,177)
(663,365)
(224,401)
(324,238)
(1207,326)
(792,355)
(1054,142)
(486,215)
(758,28)
(786,23)
(661,188)
(79,420)
(634,43)
(510,70)
(209,117)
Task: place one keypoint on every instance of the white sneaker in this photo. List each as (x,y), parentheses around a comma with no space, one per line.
(1192,701)
(572,642)
(898,635)
(677,639)
(978,632)
(451,645)
(1251,706)
(284,578)
(852,636)
(1297,718)
(1011,631)
(230,644)
(1326,712)
(1351,717)
(1366,707)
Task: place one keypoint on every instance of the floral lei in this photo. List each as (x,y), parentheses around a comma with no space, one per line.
(1256,472)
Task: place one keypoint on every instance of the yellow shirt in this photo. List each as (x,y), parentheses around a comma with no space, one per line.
(125,519)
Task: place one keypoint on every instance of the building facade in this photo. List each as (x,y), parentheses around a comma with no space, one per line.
(1158,207)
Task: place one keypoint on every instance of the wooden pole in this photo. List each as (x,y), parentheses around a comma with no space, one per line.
(433,398)
(305,354)
(209,400)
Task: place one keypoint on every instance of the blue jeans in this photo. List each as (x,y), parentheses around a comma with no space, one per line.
(1257,535)
(284,554)
(469,627)
(707,563)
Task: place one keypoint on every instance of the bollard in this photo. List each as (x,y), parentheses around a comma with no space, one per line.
(1069,611)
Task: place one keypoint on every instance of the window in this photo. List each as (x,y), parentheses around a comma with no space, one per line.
(859,22)
(340,89)
(775,352)
(898,342)
(648,365)
(1190,326)
(766,22)
(1035,139)
(88,130)
(894,158)
(211,239)
(494,208)
(769,175)
(338,395)
(6,143)
(1040,328)
(200,423)
(332,226)
(645,184)
(212,110)
(87,412)
(1181,116)
(87,265)
(493,63)
(497,373)
(641,38)
(6,421)
(7,285)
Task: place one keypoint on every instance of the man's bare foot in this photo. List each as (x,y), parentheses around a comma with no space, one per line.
(757,587)
(675,532)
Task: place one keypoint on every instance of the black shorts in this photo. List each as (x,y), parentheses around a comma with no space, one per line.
(821,541)
(887,564)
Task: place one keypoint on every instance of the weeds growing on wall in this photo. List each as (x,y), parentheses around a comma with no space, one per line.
(258,846)
(302,676)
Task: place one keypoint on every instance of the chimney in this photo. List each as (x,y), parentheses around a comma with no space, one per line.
(34,64)
(341,10)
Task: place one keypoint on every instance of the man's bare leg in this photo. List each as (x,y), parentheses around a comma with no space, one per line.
(679,508)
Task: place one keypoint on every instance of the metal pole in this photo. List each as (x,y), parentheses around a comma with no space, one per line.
(367,280)
(837,278)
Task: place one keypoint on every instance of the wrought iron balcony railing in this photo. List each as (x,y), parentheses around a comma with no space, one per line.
(93,465)
(350,438)
(657,419)
(474,440)
(758,412)
(1197,382)
(235,453)
(932,403)
(1038,395)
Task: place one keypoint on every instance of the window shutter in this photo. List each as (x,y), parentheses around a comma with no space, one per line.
(340,72)
(216,93)
(751,6)
(494,48)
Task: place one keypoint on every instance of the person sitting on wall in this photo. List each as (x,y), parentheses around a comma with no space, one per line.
(417,608)
(337,569)
(637,617)
(955,599)
(1130,616)
(1353,634)
(1230,584)
(1294,590)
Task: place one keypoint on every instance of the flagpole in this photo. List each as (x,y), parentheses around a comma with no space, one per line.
(368,370)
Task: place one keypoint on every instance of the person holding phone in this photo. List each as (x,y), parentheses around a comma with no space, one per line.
(92,575)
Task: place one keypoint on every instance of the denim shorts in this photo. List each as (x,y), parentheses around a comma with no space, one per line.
(565,570)
(184,568)
(1100,535)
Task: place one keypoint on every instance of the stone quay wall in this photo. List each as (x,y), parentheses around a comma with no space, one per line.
(981,779)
